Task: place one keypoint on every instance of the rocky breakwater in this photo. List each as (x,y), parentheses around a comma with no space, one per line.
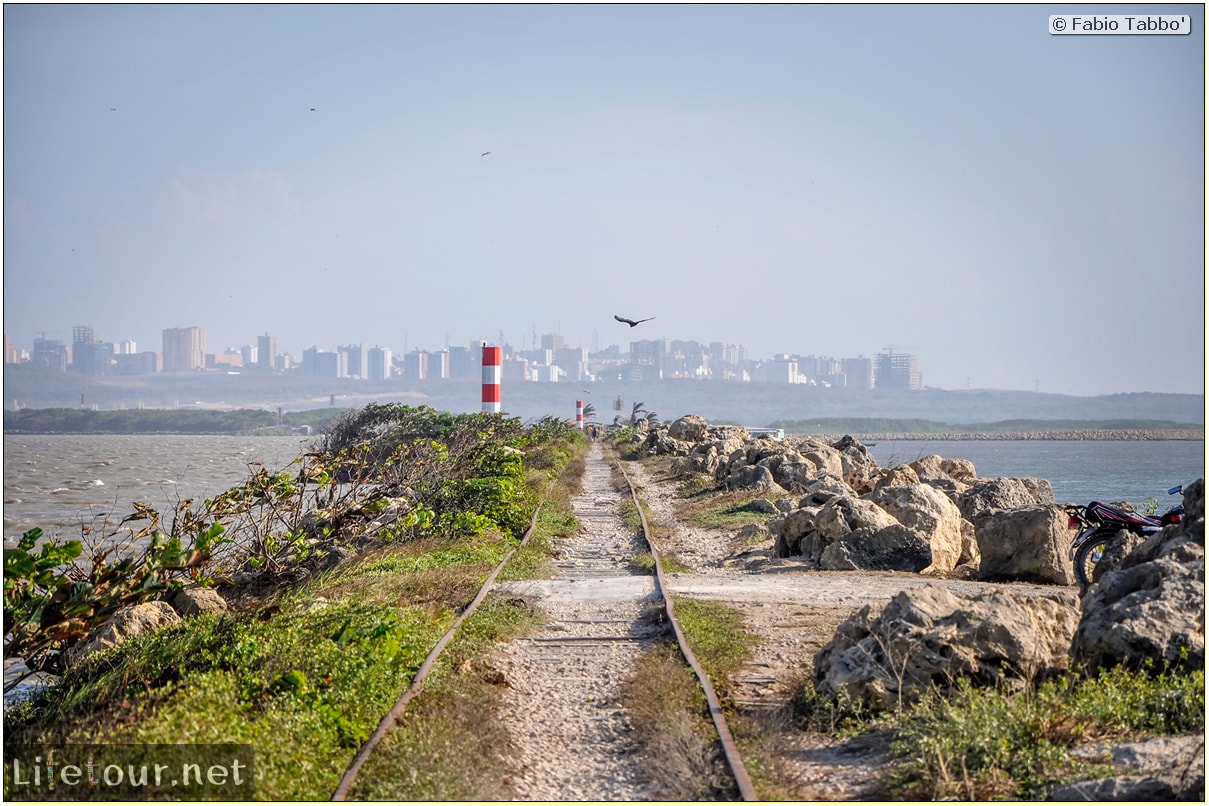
(834,506)
(1079,434)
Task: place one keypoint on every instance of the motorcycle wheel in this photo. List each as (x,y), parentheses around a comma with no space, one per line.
(1086,558)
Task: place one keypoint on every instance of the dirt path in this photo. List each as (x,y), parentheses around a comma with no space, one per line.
(571,740)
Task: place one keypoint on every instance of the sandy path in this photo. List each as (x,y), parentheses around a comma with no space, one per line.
(571,741)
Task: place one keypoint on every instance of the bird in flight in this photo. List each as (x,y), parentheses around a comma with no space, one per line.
(485,153)
(631,322)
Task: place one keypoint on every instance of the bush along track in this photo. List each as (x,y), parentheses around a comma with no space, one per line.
(338,576)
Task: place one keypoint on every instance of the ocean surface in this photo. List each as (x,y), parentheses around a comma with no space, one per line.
(1079,471)
(60,482)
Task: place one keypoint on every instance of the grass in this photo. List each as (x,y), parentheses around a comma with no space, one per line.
(666,700)
(991,744)
(670,720)
(715,632)
(424,757)
(304,682)
(728,511)
(315,674)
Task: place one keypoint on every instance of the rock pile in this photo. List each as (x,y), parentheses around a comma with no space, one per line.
(841,511)
(833,506)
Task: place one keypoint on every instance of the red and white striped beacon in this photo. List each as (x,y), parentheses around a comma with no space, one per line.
(579,414)
(492,361)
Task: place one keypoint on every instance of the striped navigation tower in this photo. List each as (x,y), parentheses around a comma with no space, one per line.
(579,414)
(491,378)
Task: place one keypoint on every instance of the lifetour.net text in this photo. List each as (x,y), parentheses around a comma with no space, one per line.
(135,771)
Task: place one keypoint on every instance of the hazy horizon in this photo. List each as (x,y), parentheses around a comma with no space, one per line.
(1018,210)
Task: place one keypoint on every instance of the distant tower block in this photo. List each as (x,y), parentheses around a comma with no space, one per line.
(492,361)
(579,414)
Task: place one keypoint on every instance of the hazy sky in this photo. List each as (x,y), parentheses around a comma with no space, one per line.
(1018,210)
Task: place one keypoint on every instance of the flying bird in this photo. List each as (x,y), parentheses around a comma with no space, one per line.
(631,322)
(485,153)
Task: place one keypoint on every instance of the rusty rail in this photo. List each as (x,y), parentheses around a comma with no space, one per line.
(734,760)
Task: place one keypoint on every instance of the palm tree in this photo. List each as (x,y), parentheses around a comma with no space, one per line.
(589,411)
(638,409)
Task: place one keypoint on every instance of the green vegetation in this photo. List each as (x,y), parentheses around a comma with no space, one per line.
(715,632)
(995,744)
(984,744)
(382,475)
(315,674)
(422,504)
(729,511)
(671,724)
(424,757)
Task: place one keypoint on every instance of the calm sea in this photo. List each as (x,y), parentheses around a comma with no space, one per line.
(1079,471)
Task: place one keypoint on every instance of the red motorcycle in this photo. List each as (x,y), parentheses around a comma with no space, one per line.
(1098,522)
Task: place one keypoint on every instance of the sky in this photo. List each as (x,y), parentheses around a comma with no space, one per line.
(1016,209)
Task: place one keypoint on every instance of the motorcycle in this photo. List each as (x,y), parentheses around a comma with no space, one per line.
(1098,522)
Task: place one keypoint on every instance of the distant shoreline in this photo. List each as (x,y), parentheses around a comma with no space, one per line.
(1103,435)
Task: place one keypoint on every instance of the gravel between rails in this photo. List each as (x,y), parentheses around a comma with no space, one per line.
(570,738)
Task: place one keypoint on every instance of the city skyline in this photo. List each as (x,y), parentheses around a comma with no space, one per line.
(954,181)
(186,349)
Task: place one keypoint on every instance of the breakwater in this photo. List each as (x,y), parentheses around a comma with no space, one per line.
(1114,435)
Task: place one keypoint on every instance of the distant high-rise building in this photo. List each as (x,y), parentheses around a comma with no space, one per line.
(379,363)
(145,363)
(415,366)
(356,357)
(318,363)
(184,349)
(897,371)
(858,372)
(782,369)
(248,354)
(438,365)
(464,362)
(49,354)
(266,352)
(88,355)
(646,360)
(573,361)
(229,360)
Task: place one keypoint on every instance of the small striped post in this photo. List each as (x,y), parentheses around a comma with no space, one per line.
(492,360)
(579,414)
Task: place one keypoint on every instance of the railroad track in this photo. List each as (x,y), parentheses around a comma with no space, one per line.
(571,740)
